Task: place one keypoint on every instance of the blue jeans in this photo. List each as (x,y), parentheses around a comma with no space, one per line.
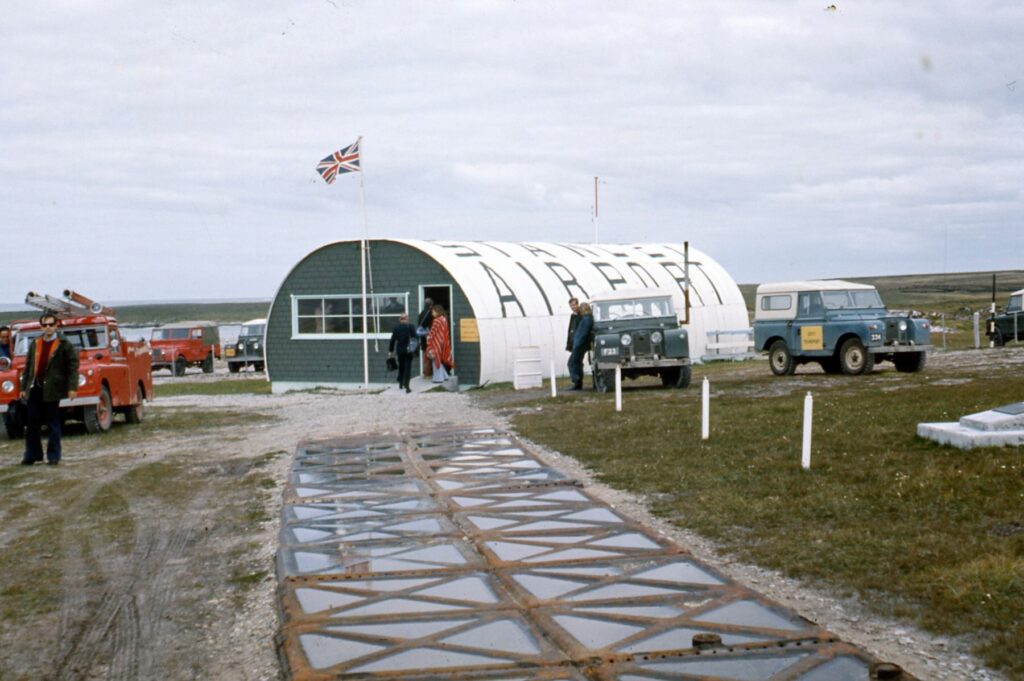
(576,365)
(38,412)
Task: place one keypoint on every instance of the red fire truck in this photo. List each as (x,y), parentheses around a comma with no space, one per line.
(114,375)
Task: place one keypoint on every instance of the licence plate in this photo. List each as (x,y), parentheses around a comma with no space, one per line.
(231,352)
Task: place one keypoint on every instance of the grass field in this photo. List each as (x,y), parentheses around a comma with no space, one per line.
(916,531)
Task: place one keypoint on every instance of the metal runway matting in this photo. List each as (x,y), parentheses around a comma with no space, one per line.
(459,554)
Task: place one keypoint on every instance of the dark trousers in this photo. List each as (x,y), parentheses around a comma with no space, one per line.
(576,365)
(38,413)
(404,369)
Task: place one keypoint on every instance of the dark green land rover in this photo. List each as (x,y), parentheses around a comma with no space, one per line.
(639,332)
(1010,324)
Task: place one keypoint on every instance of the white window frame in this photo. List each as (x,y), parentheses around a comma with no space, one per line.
(295,299)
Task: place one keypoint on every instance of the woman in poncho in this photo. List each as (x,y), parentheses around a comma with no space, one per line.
(439,346)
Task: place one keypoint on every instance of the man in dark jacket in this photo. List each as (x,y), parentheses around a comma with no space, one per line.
(574,319)
(5,341)
(50,375)
(406,344)
(423,322)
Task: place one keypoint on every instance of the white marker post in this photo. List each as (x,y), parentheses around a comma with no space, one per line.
(805,459)
(705,409)
(554,390)
(618,389)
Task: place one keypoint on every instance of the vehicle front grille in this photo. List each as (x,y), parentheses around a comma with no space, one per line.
(641,344)
(893,335)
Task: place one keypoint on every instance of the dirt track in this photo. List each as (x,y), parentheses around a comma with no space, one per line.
(149,552)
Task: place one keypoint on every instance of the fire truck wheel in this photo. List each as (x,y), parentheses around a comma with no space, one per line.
(14,424)
(99,416)
(179,366)
(135,412)
(208,364)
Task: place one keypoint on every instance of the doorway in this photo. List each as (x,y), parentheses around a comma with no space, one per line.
(440,294)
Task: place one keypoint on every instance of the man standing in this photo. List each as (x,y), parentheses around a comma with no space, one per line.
(423,328)
(5,341)
(580,345)
(50,375)
(574,319)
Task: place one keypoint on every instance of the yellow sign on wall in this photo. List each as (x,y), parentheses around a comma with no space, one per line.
(812,338)
(468,331)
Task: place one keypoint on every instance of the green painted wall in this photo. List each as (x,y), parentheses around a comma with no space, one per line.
(334,269)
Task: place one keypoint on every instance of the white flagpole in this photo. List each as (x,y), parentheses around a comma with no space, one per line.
(362,257)
(595,210)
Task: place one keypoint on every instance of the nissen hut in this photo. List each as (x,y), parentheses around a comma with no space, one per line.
(500,297)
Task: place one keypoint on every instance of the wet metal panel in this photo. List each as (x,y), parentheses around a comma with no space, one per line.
(459,554)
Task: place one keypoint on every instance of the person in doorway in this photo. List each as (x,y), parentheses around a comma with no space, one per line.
(580,345)
(439,346)
(405,345)
(574,319)
(423,329)
(5,341)
(50,375)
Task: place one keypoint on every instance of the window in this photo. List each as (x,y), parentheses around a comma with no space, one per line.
(783,302)
(341,316)
(810,304)
(179,333)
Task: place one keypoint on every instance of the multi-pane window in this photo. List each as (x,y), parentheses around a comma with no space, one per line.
(339,316)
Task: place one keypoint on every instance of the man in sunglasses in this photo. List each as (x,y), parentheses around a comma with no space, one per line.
(50,375)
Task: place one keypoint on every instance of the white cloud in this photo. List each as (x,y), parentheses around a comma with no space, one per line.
(143,137)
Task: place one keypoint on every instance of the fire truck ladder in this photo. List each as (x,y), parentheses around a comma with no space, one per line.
(76,306)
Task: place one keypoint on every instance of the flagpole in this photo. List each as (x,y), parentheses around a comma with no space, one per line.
(595,210)
(362,259)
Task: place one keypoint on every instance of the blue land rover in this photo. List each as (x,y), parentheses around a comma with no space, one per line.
(841,325)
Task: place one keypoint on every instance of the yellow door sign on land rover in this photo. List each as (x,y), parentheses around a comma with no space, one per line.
(811,338)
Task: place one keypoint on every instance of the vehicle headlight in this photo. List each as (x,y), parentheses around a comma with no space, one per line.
(656,337)
(626,340)
(903,325)
(241,346)
(255,346)
(8,386)
(81,380)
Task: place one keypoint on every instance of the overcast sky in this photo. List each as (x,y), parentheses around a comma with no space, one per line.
(167,150)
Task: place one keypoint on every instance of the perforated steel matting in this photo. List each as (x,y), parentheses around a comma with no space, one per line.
(458,554)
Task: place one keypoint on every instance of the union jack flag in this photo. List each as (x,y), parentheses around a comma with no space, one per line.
(344,161)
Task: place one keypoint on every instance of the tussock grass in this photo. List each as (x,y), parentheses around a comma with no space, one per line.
(243,386)
(916,530)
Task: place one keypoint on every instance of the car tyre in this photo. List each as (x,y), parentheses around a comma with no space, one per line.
(99,416)
(260,366)
(685,376)
(854,359)
(135,412)
(998,340)
(179,366)
(830,365)
(208,364)
(780,359)
(604,380)
(14,420)
(910,362)
(233,367)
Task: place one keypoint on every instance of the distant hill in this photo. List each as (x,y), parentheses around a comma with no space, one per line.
(152,314)
(933,292)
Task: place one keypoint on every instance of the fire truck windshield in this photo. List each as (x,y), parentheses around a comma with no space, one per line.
(82,337)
